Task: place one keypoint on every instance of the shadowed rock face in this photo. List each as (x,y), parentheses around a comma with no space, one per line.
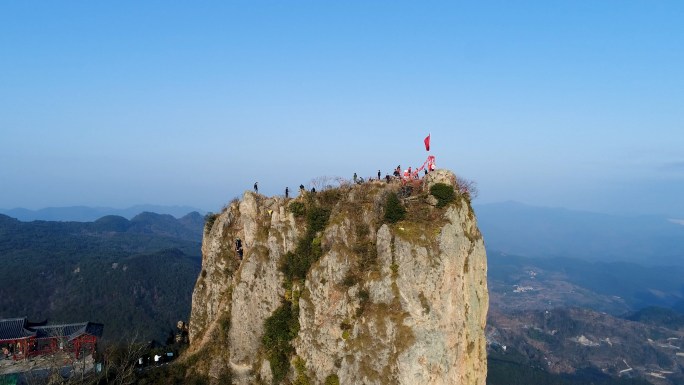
(401,303)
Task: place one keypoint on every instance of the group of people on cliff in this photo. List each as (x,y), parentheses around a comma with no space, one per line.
(397,175)
(287,189)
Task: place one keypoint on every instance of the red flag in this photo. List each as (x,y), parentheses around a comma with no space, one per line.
(427,143)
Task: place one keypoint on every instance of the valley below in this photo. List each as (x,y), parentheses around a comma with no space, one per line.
(541,320)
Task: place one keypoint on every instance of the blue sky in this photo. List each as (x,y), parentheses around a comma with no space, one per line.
(573,104)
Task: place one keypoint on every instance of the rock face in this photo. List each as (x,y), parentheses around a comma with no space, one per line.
(381,303)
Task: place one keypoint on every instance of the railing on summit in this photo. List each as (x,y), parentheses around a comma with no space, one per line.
(410,174)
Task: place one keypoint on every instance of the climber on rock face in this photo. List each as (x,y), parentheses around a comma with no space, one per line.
(238,247)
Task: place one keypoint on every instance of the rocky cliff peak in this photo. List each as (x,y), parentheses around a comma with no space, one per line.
(377,283)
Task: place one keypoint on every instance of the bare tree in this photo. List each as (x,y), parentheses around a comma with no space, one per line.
(342,182)
(321,183)
(120,360)
(467,187)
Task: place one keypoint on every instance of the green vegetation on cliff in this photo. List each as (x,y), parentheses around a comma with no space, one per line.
(296,264)
(279,329)
(283,325)
(444,193)
(394,210)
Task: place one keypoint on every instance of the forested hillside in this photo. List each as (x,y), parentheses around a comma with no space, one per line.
(135,277)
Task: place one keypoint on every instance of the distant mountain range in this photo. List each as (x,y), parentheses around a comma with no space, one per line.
(135,276)
(508,227)
(89,214)
(515,228)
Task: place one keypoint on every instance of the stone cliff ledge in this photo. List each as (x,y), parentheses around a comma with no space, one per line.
(377,283)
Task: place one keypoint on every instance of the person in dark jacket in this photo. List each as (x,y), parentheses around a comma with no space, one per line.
(238,247)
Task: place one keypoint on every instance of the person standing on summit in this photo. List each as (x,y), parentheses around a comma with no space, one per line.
(256,188)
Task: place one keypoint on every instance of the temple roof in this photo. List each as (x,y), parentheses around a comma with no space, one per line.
(18,328)
(15,328)
(70,331)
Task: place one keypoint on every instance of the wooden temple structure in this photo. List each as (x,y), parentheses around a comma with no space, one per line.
(21,339)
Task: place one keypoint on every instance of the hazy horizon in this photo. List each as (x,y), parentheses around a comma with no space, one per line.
(574,105)
(181,210)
